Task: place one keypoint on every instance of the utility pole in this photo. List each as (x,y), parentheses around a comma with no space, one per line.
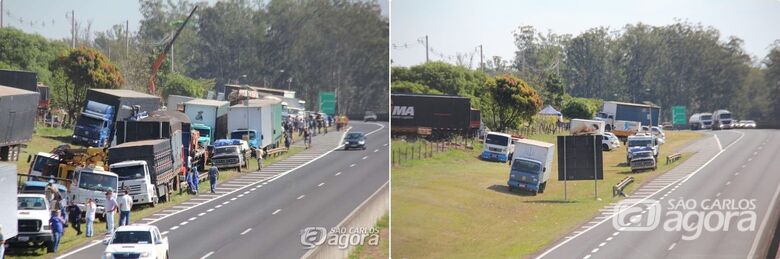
(426,49)
(481,63)
(1,14)
(127,40)
(73,29)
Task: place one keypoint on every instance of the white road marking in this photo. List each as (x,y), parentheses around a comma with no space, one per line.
(201,214)
(209,210)
(174,227)
(376,150)
(183,223)
(586,257)
(384,145)
(609,239)
(164,233)
(218,205)
(718,140)
(615,234)
(672,246)
(337,174)
(352,165)
(602,244)
(207,255)
(246,231)
(729,182)
(763,225)
(364,158)
(277,211)
(300,197)
(193,218)
(240,195)
(717,195)
(594,250)
(225,203)
(320,185)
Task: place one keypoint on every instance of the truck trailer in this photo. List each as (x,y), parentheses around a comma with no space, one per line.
(209,113)
(145,168)
(646,114)
(171,125)
(257,121)
(122,101)
(17,119)
(418,114)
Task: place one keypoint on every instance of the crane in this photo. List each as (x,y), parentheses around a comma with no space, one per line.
(158,62)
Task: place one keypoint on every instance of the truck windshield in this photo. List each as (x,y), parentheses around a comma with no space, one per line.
(241,134)
(132,237)
(97,182)
(706,117)
(30,203)
(90,122)
(225,150)
(725,116)
(525,166)
(47,166)
(640,143)
(203,132)
(496,140)
(129,172)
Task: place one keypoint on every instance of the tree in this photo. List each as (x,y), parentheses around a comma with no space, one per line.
(772,78)
(81,69)
(178,84)
(555,89)
(577,109)
(443,77)
(412,88)
(511,101)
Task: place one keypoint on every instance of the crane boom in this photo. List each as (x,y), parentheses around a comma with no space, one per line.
(158,62)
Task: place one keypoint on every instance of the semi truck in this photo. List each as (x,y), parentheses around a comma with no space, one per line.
(93,127)
(721,119)
(258,121)
(125,103)
(626,119)
(531,165)
(209,113)
(17,119)
(171,125)
(438,115)
(700,121)
(146,169)
(27,80)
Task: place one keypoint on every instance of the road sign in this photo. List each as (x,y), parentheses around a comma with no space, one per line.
(328,103)
(678,115)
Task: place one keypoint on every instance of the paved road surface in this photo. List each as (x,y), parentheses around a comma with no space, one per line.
(730,165)
(261,214)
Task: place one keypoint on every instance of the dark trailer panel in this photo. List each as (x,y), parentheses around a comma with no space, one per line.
(18,109)
(437,112)
(26,80)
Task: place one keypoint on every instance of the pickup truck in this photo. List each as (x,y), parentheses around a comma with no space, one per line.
(33,214)
(638,143)
(228,157)
(642,160)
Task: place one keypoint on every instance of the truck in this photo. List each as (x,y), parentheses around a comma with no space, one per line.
(125,103)
(643,159)
(638,143)
(625,119)
(531,165)
(212,114)
(176,102)
(27,80)
(721,119)
(31,215)
(8,201)
(145,169)
(171,125)
(700,121)
(256,122)
(93,127)
(438,115)
(17,119)
(496,147)
(92,182)
(579,127)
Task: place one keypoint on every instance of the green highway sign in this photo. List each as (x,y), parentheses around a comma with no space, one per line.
(678,115)
(328,102)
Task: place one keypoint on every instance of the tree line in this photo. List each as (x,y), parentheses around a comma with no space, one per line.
(679,64)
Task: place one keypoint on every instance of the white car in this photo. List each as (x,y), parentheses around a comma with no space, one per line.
(369,116)
(610,142)
(136,241)
(658,133)
(612,136)
(748,124)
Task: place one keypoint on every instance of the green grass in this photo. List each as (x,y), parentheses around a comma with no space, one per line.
(380,251)
(454,205)
(46,139)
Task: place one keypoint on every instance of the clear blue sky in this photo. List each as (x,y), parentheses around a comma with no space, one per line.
(103,13)
(460,25)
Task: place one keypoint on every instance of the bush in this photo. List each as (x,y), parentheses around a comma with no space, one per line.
(577,109)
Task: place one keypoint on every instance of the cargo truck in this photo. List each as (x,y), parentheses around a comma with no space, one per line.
(123,103)
(496,147)
(27,80)
(438,115)
(8,200)
(93,127)
(17,119)
(146,169)
(531,165)
(626,119)
(579,127)
(700,121)
(170,125)
(721,119)
(211,113)
(257,121)
(176,102)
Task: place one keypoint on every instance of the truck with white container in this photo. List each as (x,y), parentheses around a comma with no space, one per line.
(531,165)
(212,114)
(580,127)
(496,147)
(254,121)
(18,109)
(721,119)
(700,121)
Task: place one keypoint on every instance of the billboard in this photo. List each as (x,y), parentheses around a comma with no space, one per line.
(580,158)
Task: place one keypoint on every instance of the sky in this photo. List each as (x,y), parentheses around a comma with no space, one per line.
(49,18)
(459,26)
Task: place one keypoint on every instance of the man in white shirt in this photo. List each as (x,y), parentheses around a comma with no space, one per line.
(125,204)
(110,208)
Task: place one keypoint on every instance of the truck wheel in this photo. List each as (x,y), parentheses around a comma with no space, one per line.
(605,147)
(510,188)
(542,187)
(49,246)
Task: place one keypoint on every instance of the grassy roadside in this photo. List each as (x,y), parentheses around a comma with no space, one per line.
(375,252)
(45,139)
(454,205)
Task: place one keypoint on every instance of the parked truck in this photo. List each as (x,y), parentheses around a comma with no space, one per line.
(17,119)
(531,165)
(496,147)
(256,121)
(8,200)
(27,80)
(122,103)
(212,114)
(440,115)
(721,119)
(626,119)
(171,125)
(176,102)
(93,127)
(146,169)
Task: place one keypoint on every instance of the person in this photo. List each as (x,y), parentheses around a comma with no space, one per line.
(74,217)
(196,179)
(91,207)
(56,224)
(125,204)
(287,141)
(259,153)
(2,242)
(111,207)
(306,138)
(213,177)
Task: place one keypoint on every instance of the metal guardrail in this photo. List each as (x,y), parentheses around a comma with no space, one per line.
(276,151)
(673,157)
(618,188)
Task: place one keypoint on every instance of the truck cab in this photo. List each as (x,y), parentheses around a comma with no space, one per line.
(92,182)
(93,127)
(531,165)
(721,119)
(134,175)
(249,135)
(206,134)
(497,147)
(33,212)
(44,165)
(639,143)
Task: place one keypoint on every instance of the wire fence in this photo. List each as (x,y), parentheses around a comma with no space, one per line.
(405,150)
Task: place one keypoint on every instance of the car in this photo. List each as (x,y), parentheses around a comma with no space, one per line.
(228,157)
(736,124)
(33,222)
(136,241)
(748,124)
(610,142)
(643,160)
(355,140)
(658,133)
(612,135)
(369,116)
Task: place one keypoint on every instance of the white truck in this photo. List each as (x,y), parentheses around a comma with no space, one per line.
(247,120)
(721,119)
(92,182)
(496,147)
(639,143)
(8,200)
(579,127)
(700,121)
(531,165)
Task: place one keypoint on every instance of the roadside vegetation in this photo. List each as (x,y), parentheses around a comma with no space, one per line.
(380,251)
(460,205)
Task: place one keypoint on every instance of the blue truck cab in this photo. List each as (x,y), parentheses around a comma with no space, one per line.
(206,134)
(531,165)
(496,147)
(639,143)
(251,136)
(93,127)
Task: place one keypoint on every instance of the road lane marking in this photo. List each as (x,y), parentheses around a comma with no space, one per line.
(364,158)
(594,250)
(164,233)
(193,218)
(174,227)
(763,224)
(376,150)
(207,255)
(717,195)
(218,206)
(352,165)
(384,145)
(602,244)
(240,195)
(609,239)
(209,210)
(183,223)
(320,185)
(718,140)
(615,234)
(729,182)
(277,211)
(337,174)
(300,197)
(672,246)
(201,214)
(246,231)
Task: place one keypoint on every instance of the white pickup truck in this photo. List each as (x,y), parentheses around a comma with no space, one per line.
(33,216)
